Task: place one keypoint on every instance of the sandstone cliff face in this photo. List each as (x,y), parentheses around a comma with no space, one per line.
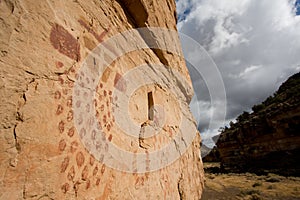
(44,45)
(268,139)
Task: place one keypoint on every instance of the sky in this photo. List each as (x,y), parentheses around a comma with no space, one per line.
(255,45)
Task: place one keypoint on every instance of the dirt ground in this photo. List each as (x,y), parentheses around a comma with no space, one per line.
(248,186)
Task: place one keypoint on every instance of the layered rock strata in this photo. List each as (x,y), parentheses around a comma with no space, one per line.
(267,140)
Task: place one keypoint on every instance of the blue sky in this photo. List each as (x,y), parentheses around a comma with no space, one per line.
(254,44)
(297,5)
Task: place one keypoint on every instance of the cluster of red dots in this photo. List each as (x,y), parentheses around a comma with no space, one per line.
(103,105)
(81,170)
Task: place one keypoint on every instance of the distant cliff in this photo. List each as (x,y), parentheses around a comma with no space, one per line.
(268,139)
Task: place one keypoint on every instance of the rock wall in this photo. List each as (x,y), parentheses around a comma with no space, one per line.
(268,139)
(212,156)
(44,45)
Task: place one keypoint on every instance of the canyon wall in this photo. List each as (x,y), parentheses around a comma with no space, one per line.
(268,139)
(48,147)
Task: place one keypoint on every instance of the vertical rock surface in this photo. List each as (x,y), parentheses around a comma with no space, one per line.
(44,45)
(266,140)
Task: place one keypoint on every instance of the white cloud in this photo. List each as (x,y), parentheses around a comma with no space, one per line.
(206,137)
(254,43)
(246,72)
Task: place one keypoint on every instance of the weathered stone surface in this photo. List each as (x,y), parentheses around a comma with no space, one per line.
(268,139)
(43,45)
(212,156)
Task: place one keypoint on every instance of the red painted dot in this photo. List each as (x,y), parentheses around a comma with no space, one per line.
(70,116)
(102,169)
(78,104)
(62,145)
(102,107)
(88,184)
(108,128)
(57,95)
(64,165)
(106,147)
(98,146)
(84,173)
(74,146)
(65,91)
(110,137)
(95,171)
(95,103)
(71,131)
(99,125)
(69,102)
(101,158)
(93,135)
(79,159)
(76,186)
(61,80)
(65,188)
(82,132)
(61,126)
(80,120)
(71,84)
(98,181)
(92,160)
(59,109)
(71,174)
(59,64)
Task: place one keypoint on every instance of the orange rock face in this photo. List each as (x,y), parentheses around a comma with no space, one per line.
(49,146)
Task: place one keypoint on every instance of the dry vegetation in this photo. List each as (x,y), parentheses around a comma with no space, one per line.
(248,186)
